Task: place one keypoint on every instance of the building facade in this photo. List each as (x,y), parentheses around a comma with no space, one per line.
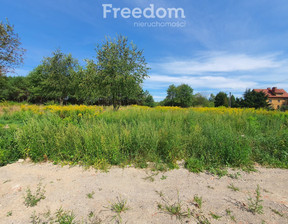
(276,97)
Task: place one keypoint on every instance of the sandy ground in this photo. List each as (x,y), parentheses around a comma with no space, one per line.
(67,187)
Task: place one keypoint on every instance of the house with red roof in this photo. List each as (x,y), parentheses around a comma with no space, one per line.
(276,97)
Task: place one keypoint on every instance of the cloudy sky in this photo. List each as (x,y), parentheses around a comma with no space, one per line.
(225,45)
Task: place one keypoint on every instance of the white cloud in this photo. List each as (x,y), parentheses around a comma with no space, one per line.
(217,62)
(202,82)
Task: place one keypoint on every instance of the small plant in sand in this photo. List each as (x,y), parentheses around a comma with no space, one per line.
(214,216)
(30,199)
(119,206)
(234,175)
(233,188)
(61,216)
(176,209)
(254,205)
(181,210)
(93,219)
(9,213)
(197,201)
(277,212)
(229,213)
(65,217)
(90,195)
(151,177)
(220,172)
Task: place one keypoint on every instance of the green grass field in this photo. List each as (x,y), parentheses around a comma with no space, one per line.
(206,138)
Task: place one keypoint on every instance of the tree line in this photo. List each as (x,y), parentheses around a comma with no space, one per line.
(115,78)
(182,96)
(111,80)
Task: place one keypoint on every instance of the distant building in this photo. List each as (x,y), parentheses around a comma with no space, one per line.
(276,97)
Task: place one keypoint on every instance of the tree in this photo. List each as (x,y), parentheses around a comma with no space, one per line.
(121,70)
(212,98)
(85,84)
(254,99)
(238,102)
(4,88)
(35,79)
(233,101)
(148,99)
(11,54)
(55,76)
(14,88)
(200,100)
(221,99)
(181,95)
(170,99)
(184,95)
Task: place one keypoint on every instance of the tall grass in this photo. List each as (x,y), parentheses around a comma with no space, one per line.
(138,135)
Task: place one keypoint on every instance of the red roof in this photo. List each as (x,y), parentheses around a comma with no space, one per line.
(274,92)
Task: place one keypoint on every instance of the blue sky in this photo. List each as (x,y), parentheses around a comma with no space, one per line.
(225,45)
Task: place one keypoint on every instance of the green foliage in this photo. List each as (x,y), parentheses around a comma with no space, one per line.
(221,99)
(14,88)
(11,54)
(121,70)
(176,209)
(253,99)
(195,165)
(58,74)
(181,96)
(148,100)
(220,172)
(119,206)
(64,217)
(197,201)
(90,195)
(233,188)
(206,141)
(151,177)
(31,200)
(115,78)
(9,151)
(61,216)
(277,212)
(171,98)
(233,101)
(200,100)
(255,205)
(184,95)
(214,216)
(181,210)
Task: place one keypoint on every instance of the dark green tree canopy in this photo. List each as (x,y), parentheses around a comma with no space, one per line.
(221,99)
(11,54)
(254,99)
(148,99)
